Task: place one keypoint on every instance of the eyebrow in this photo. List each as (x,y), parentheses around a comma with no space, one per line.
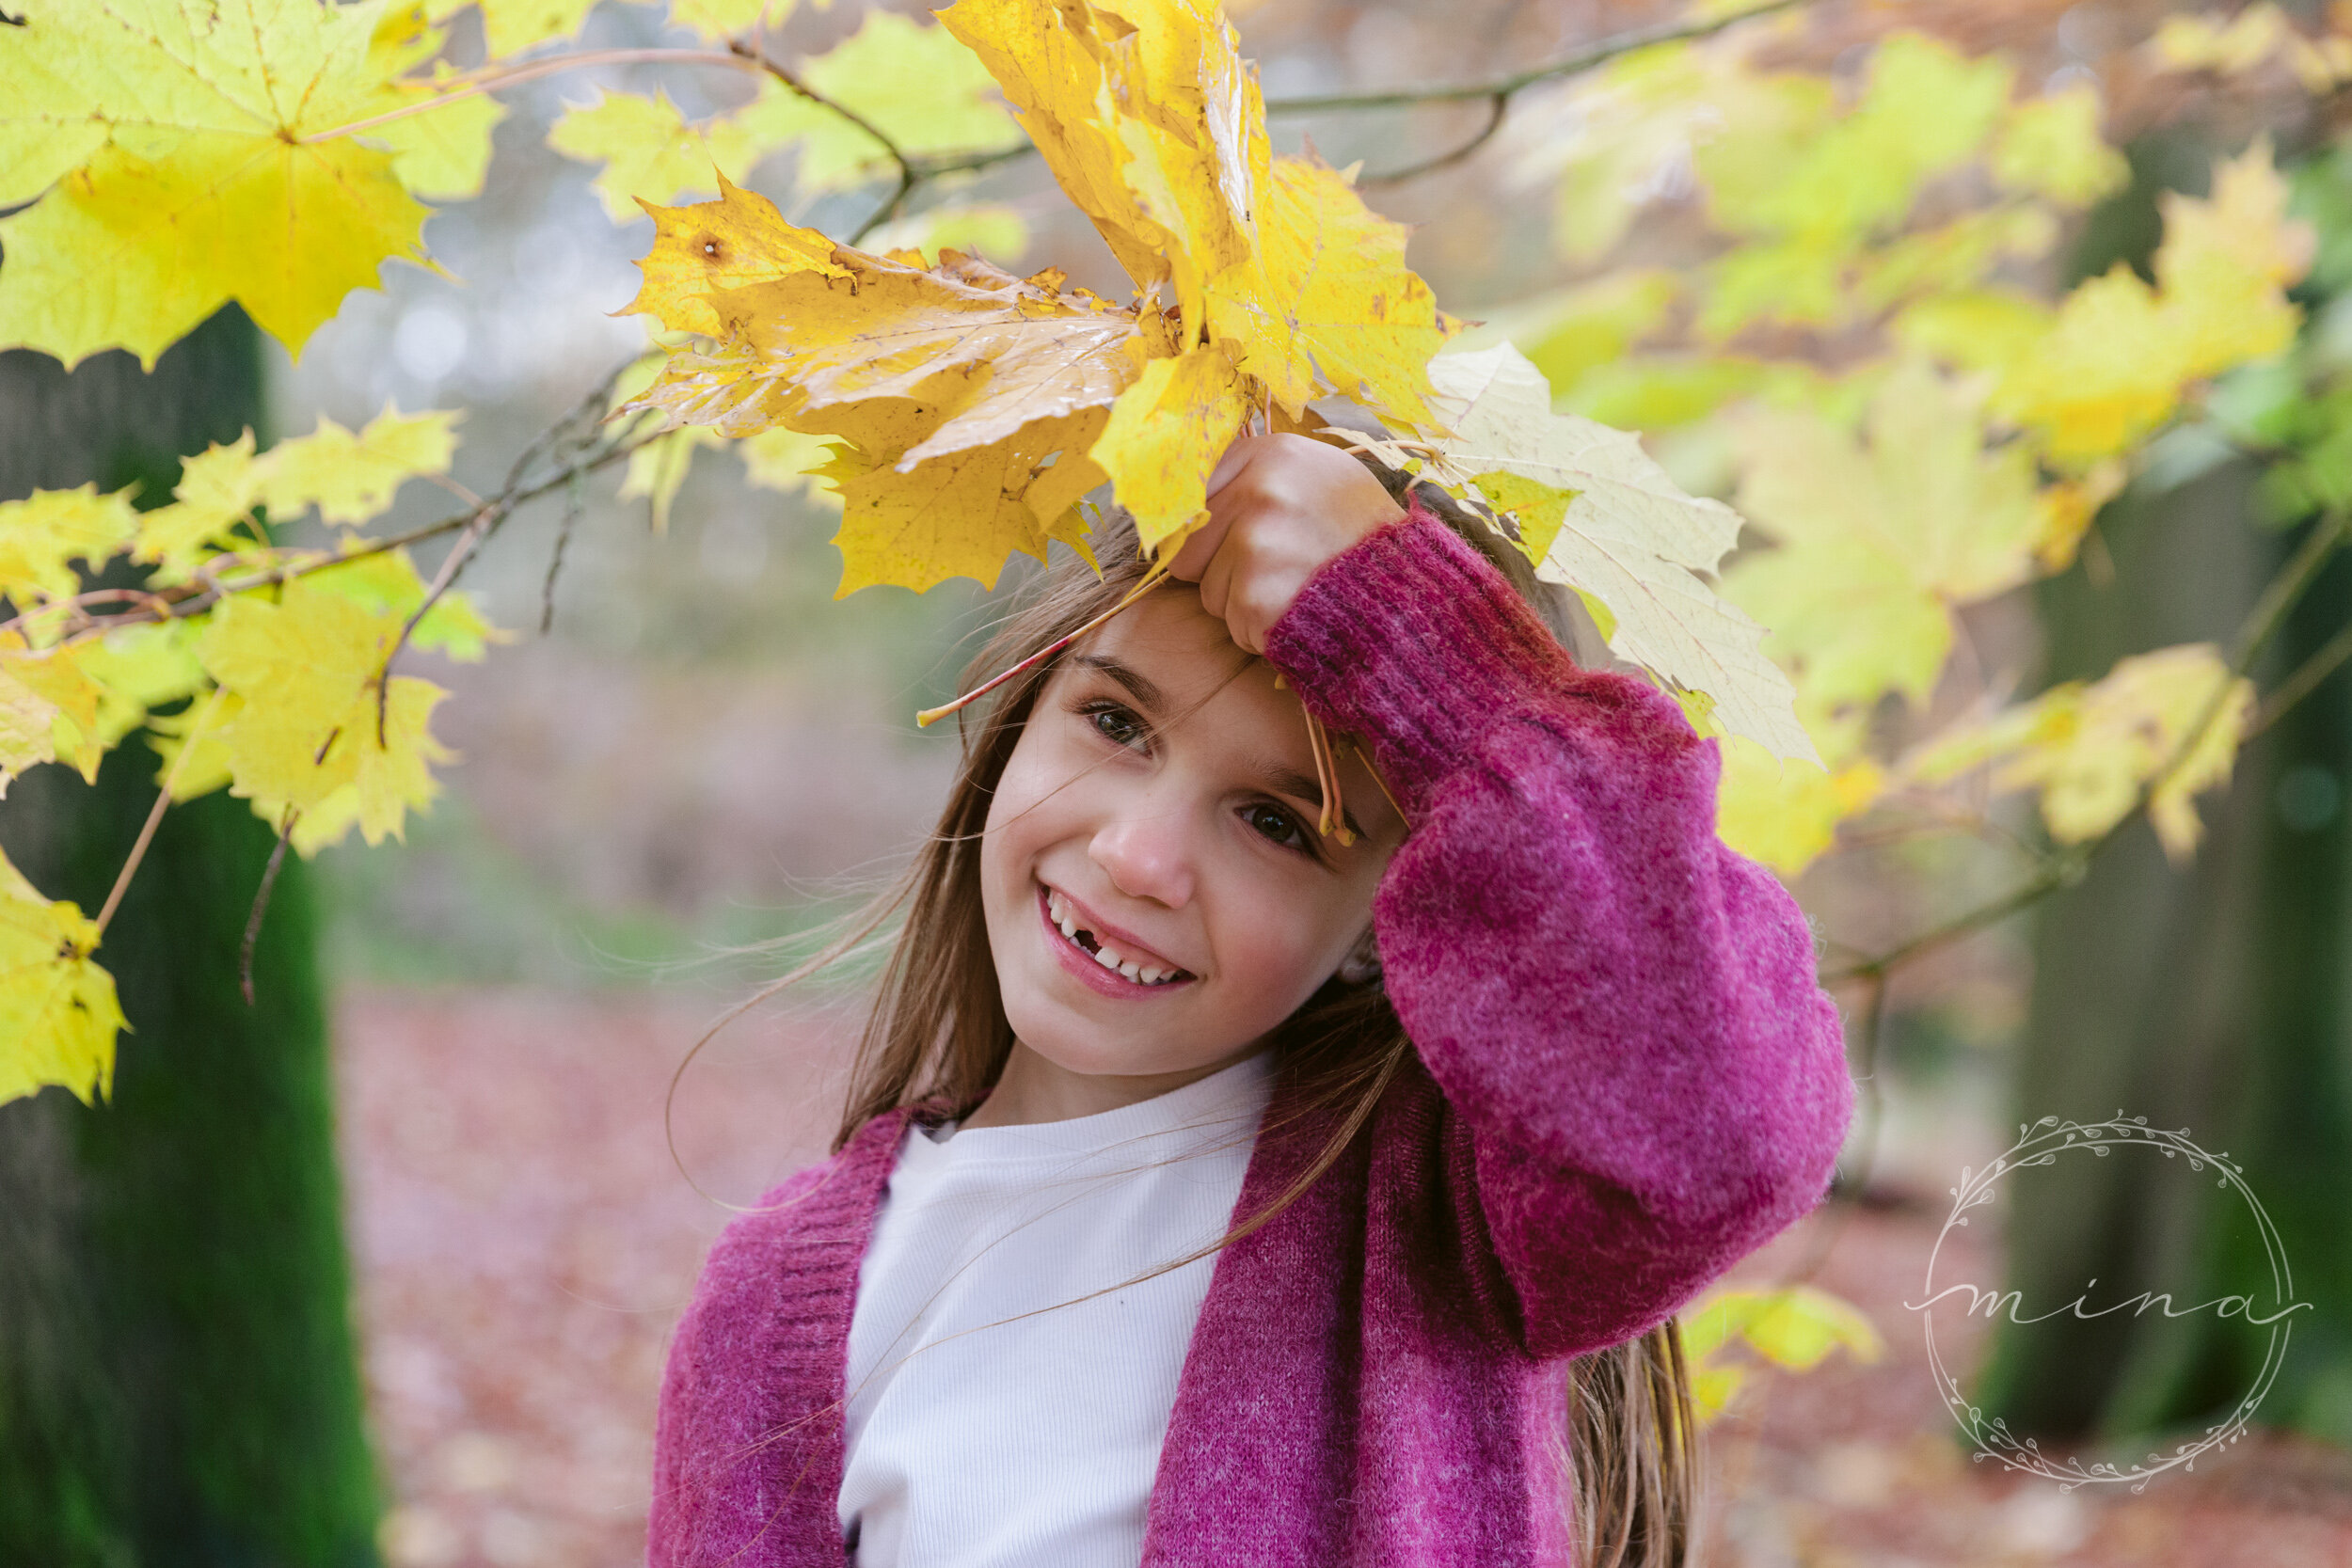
(1142,687)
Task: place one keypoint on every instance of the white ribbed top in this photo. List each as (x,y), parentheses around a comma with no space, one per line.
(980,1437)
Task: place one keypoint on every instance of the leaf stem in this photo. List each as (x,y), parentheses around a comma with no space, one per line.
(930,716)
(261,903)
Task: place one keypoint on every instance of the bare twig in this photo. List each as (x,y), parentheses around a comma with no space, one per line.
(451,564)
(154,815)
(189,599)
(2302,683)
(1598,53)
(1498,107)
(261,903)
(909,175)
(573,505)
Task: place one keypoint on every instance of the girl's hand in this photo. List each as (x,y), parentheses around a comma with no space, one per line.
(1279,506)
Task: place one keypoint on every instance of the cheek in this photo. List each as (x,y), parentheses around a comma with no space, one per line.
(1033,807)
(1277,947)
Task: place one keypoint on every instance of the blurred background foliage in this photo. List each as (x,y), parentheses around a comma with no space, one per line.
(1840,233)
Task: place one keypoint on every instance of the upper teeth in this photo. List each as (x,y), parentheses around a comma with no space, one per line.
(1106,954)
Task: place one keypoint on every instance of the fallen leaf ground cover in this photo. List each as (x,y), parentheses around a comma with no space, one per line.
(524,1243)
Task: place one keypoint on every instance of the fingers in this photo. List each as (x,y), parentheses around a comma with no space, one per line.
(1193,559)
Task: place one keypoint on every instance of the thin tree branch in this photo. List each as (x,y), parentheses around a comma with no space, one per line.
(190,599)
(908,176)
(451,564)
(1598,53)
(1497,108)
(1500,91)
(2307,679)
(497,77)
(573,506)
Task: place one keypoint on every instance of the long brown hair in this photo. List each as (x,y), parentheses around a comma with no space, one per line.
(937,1034)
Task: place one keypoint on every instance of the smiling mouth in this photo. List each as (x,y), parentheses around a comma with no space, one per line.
(1060,912)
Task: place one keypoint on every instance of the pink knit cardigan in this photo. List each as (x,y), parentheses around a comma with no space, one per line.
(1626,1080)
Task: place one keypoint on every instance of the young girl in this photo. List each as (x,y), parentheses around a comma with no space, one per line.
(1213,1191)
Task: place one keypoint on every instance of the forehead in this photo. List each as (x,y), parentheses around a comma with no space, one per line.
(1184,652)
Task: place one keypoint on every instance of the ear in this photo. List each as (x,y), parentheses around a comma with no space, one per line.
(1362,964)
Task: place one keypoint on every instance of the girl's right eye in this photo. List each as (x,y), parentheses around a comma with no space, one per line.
(1119,726)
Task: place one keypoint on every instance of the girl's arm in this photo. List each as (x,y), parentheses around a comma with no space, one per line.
(1621,1012)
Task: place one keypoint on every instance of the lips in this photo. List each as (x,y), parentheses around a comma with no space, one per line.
(1107,959)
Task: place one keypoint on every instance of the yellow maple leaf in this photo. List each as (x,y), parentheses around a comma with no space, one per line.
(443,155)
(51,707)
(58,1012)
(1566,332)
(2226,262)
(306,670)
(2108,369)
(1924,109)
(786,460)
(1630,538)
(966,353)
(649,151)
(217,491)
(385,582)
(1326,302)
(657,470)
(1882,535)
(41,535)
(137,669)
(1147,119)
(963,511)
(2052,146)
(1165,434)
(712,247)
(2092,748)
(2119,354)
(511,26)
(169,145)
(727,19)
(350,476)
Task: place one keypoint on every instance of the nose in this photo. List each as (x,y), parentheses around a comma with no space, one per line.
(1146,853)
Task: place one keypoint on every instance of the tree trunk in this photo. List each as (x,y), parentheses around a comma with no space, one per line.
(2211,999)
(178,1379)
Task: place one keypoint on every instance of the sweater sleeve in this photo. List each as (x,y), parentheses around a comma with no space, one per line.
(1621,1012)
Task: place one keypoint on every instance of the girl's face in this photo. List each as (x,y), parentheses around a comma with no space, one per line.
(1159,809)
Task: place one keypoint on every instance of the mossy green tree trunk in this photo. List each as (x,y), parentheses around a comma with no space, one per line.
(178,1378)
(2214,999)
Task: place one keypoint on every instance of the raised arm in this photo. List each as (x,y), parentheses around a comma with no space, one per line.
(1621,1012)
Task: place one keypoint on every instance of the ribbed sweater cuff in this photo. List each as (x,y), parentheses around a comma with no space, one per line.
(1413,641)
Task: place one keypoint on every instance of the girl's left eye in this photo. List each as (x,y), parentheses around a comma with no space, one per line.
(1276,824)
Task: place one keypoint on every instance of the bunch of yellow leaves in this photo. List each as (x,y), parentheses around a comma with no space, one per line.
(970,410)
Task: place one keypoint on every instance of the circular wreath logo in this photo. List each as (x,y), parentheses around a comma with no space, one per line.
(2041,1144)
